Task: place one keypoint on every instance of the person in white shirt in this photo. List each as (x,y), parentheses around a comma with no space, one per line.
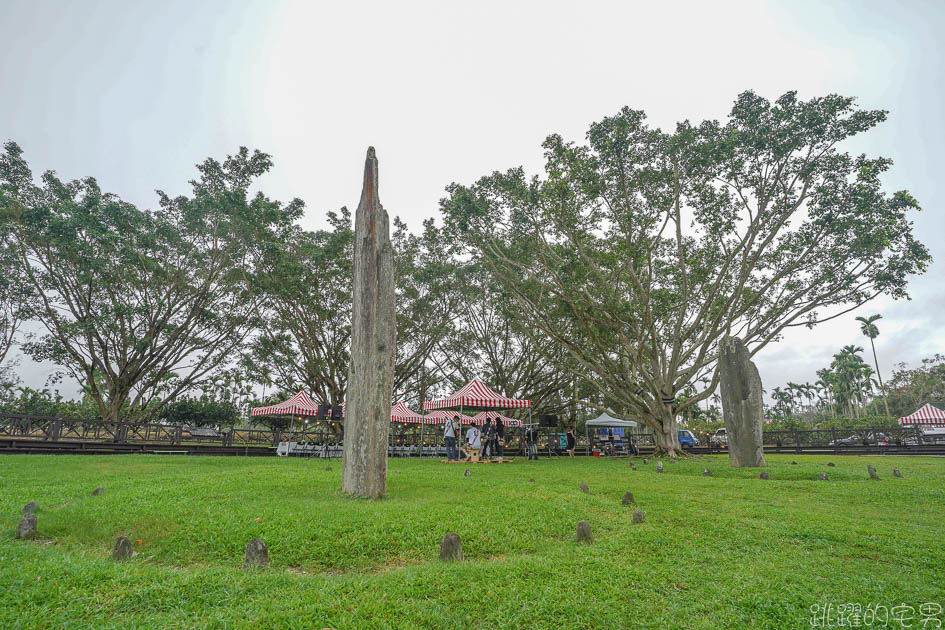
(449,435)
(473,442)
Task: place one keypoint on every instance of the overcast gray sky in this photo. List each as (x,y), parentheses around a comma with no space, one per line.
(136,93)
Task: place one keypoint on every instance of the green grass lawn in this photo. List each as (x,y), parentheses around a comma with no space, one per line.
(727,551)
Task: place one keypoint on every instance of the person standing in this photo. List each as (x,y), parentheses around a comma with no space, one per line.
(499,432)
(487,450)
(571,442)
(449,436)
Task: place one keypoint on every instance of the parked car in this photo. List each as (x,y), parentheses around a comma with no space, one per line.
(687,438)
(866,440)
(719,438)
(847,441)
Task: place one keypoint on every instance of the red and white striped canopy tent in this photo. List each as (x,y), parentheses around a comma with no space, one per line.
(401,413)
(440,417)
(927,414)
(298,405)
(480,418)
(476,395)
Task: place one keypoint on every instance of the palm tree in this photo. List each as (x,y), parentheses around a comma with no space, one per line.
(847,367)
(808,390)
(868,328)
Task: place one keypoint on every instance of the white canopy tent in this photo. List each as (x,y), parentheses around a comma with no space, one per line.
(607,421)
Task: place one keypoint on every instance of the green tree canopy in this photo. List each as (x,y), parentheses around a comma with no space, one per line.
(641,249)
(139,306)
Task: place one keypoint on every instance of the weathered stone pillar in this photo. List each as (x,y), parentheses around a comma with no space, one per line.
(371,371)
(742,404)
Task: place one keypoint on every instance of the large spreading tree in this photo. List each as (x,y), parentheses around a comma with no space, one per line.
(640,250)
(139,306)
(302,284)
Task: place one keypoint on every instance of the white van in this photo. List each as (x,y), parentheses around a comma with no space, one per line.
(719,438)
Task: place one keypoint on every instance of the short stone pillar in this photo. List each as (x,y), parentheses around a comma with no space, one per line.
(98,491)
(742,404)
(659,467)
(627,498)
(823,476)
(872,471)
(896,473)
(584,488)
(706,473)
(257,554)
(27,527)
(122,549)
(451,548)
(638,516)
(468,473)
(584,532)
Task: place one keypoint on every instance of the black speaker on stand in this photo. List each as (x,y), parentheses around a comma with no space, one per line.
(549,421)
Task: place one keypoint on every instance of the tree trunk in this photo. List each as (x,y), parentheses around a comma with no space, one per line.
(371,371)
(666,434)
(882,388)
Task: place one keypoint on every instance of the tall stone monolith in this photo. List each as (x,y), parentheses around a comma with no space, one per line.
(742,403)
(373,331)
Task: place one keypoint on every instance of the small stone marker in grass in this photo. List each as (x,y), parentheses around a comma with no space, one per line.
(823,477)
(659,467)
(627,498)
(646,461)
(584,532)
(872,471)
(451,548)
(257,555)
(896,473)
(327,468)
(638,516)
(632,467)
(396,472)
(27,526)
(532,480)
(831,464)
(793,462)
(468,473)
(584,488)
(98,491)
(706,473)
(764,475)
(122,549)
(30,508)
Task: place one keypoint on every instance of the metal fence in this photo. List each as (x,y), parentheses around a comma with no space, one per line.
(405,439)
(409,440)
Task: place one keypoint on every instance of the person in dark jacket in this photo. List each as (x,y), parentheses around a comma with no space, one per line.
(487,449)
(571,442)
(499,437)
